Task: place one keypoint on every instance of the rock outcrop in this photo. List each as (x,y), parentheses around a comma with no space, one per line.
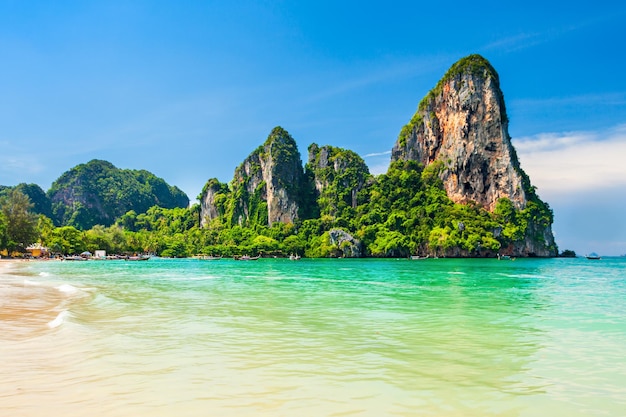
(346,245)
(98,193)
(457,142)
(210,206)
(266,187)
(462,122)
(338,175)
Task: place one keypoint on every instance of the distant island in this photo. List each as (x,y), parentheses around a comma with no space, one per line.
(454,188)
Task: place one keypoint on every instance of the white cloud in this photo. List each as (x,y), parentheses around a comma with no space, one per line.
(369,155)
(378,162)
(559,163)
(526,40)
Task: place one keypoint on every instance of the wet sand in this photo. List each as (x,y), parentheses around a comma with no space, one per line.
(27,306)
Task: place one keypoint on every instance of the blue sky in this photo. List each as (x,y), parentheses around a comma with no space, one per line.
(188,89)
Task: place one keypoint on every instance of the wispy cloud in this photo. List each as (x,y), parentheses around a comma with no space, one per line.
(560,163)
(607,99)
(370,155)
(520,41)
(378,162)
(18,165)
(516,42)
(373,73)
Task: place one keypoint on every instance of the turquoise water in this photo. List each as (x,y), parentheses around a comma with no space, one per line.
(436,337)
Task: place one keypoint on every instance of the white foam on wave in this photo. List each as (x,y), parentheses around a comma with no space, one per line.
(44,274)
(67,288)
(60,318)
(29,282)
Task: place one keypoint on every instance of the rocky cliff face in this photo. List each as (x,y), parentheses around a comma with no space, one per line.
(266,186)
(463,124)
(210,207)
(460,130)
(338,175)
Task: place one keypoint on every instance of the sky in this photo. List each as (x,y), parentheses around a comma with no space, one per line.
(188,89)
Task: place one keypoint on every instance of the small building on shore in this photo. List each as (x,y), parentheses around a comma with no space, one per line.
(36,250)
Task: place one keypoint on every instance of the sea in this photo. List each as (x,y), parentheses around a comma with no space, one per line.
(313,337)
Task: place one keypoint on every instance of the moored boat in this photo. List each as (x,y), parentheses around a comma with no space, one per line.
(74,258)
(138,258)
(208,257)
(247,258)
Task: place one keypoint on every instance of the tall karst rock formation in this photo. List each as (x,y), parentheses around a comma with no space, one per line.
(459,132)
(462,124)
(271,186)
(265,187)
(338,175)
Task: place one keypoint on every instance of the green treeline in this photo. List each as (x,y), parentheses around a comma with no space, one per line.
(331,207)
(405,211)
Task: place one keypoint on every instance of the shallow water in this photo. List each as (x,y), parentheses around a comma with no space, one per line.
(436,337)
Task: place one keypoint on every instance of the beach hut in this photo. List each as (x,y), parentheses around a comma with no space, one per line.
(36,250)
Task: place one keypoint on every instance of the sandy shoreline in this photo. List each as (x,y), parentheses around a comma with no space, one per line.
(6,264)
(26,307)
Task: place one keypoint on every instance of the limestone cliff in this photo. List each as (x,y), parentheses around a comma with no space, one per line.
(338,176)
(344,244)
(462,124)
(211,206)
(265,187)
(455,149)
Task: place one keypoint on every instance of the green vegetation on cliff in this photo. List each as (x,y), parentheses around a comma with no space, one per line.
(268,180)
(472,65)
(403,212)
(37,196)
(333,207)
(337,175)
(98,193)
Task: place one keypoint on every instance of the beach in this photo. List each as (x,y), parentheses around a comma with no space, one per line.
(436,337)
(26,308)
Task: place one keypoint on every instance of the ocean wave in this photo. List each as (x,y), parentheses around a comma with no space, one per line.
(67,289)
(60,318)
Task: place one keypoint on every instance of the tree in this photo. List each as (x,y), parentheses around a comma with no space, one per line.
(66,240)
(45,229)
(21,223)
(3,231)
